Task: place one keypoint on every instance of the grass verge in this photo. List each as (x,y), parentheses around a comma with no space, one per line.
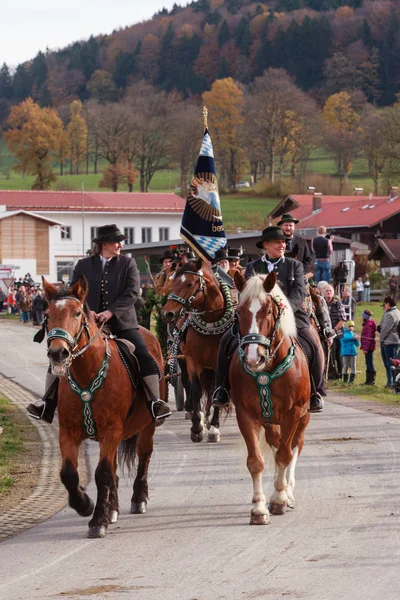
(17,435)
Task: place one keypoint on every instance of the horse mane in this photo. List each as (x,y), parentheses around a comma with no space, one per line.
(254,290)
(64,291)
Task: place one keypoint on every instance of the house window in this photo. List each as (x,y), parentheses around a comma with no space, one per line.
(65,270)
(66,233)
(130,234)
(93,232)
(163,234)
(146,234)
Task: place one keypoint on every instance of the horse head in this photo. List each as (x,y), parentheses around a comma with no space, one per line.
(188,291)
(265,317)
(66,320)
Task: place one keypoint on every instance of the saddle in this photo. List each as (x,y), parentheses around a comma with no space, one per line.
(126,351)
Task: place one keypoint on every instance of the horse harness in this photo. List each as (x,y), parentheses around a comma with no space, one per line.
(264,379)
(86,395)
(194,318)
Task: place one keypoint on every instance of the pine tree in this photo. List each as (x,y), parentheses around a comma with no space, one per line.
(243,37)
(6,83)
(22,83)
(224,35)
(124,68)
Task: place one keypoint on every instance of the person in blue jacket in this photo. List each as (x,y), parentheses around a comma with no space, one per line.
(349,343)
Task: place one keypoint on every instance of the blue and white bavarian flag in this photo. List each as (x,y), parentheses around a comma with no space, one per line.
(202,226)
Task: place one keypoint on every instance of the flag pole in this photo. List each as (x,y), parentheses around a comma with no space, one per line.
(205,115)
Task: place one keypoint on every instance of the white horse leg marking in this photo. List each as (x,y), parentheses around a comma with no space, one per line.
(279,496)
(213,433)
(291,478)
(259,511)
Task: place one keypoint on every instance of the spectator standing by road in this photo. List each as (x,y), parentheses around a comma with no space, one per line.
(360,289)
(322,248)
(349,343)
(39,305)
(24,305)
(393,286)
(367,288)
(338,319)
(2,298)
(368,345)
(389,337)
(349,303)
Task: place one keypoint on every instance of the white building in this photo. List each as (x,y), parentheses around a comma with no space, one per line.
(74,217)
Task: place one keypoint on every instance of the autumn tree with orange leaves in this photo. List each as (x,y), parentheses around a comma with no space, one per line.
(33,137)
(225,104)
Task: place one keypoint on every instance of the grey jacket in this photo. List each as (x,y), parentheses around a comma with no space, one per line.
(388,327)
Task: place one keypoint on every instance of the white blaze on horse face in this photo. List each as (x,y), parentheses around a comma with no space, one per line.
(252,354)
(183,278)
(61,303)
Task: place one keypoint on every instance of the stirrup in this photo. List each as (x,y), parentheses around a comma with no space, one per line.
(316,402)
(40,412)
(220,397)
(159,410)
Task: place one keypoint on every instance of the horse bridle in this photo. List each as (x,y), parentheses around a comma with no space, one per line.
(62,334)
(187,302)
(262,340)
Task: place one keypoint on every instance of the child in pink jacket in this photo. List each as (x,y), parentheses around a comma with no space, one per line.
(368,345)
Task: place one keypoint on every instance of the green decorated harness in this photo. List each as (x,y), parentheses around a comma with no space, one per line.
(265,378)
(85,394)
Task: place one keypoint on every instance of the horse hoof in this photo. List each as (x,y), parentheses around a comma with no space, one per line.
(213,437)
(259,520)
(114,514)
(87,510)
(277,509)
(97,531)
(138,508)
(196,437)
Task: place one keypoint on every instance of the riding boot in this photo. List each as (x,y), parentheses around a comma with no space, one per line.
(46,410)
(372,380)
(221,396)
(158,408)
(345,377)
(352,377)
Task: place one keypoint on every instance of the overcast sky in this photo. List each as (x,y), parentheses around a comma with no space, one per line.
(27,26)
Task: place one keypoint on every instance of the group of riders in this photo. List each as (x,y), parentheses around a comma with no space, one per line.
(114,288)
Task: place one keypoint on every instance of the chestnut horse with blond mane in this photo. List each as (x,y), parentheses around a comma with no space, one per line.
(96,399)
(270,388)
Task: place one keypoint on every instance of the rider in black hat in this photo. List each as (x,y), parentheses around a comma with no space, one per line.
(290,276)
(235,256)
(114,285)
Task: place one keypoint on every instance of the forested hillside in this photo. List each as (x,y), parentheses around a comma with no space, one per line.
(326,45)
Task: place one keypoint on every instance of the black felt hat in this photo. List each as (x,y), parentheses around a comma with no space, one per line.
(235,253)
(167,254)
(287,218)
(109,233)
(270,233)
(220,254)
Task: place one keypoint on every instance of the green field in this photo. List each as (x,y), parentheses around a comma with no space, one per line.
(375,393)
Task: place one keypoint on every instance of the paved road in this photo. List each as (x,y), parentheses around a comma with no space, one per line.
(341,541)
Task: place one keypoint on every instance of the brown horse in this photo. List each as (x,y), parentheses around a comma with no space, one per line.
(96,399)
(197,296)
(270,388)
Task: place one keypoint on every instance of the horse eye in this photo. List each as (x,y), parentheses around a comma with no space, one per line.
(189,284)
(269,312)
(78,313)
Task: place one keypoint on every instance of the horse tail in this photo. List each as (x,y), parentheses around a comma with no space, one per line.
(127,453)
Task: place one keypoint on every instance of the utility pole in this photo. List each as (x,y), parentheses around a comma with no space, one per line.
(83,219)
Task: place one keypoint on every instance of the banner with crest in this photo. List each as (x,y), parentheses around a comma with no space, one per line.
(202,226)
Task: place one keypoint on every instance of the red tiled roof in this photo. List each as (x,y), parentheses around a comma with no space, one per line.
(93,201)
(345,211)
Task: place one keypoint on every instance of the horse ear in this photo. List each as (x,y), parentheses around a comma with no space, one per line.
(80,289)
(50,290)
(269,282)
(199,264)
(239,280)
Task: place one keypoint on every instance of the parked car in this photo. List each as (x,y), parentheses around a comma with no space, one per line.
(243,184)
